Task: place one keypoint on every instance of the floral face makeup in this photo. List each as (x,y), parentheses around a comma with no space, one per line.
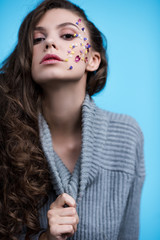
(84,46)
(61,47)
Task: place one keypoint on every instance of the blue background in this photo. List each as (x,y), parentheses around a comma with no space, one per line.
(132,29)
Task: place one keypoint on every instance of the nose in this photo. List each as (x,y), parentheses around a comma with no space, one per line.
(50,44)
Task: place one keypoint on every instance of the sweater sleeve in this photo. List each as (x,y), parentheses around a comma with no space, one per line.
(129,229)
(34,237)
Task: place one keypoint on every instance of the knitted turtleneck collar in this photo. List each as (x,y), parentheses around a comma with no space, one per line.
(88,168)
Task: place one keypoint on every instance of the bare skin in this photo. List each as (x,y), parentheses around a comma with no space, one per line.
(62,222)
(64,120)
(68,149)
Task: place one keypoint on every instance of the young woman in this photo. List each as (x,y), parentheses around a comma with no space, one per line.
(68,169)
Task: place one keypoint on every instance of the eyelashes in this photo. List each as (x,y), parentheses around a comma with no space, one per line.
(38,40)
(67,36)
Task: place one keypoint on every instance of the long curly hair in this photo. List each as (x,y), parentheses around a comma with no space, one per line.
(24,172)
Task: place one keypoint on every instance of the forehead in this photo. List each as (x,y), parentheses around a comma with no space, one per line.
(58,16)
(55,17)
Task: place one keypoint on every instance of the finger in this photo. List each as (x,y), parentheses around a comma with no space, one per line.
(66,220)
(62,200)
(62,212)
(75,225)
(70,211)
(58,230)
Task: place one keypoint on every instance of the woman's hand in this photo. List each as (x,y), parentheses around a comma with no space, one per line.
(62,222)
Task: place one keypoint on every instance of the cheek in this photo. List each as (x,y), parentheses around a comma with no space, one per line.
(35,58)
(78,53)
(37,49)
(35,64)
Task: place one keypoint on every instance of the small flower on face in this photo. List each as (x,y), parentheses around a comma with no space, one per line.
(87,46)
(80,36)
(86,59)
(77,58)
(79,21)
(75,35)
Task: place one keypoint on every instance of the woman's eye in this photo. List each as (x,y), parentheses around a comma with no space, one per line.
(38,40)
(68,36)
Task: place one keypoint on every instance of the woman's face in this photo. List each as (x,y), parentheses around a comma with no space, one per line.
(61,47)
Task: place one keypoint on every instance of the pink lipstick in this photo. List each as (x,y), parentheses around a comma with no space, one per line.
(50,59)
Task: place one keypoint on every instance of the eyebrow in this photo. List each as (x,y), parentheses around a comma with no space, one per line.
(66,24)
(40,29)
(58,26)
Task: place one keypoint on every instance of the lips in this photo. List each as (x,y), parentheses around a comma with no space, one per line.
(50,58)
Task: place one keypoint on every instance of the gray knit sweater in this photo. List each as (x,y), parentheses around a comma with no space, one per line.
(107,179)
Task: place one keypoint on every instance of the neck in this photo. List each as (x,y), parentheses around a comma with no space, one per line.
(61,106)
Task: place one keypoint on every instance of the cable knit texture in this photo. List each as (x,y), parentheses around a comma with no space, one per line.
(107,179)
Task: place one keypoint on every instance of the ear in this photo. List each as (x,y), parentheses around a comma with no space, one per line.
(93,61)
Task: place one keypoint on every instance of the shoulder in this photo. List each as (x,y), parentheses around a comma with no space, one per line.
(124,141)
(120,122)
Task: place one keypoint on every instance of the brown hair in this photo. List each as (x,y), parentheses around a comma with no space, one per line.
(24,173)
